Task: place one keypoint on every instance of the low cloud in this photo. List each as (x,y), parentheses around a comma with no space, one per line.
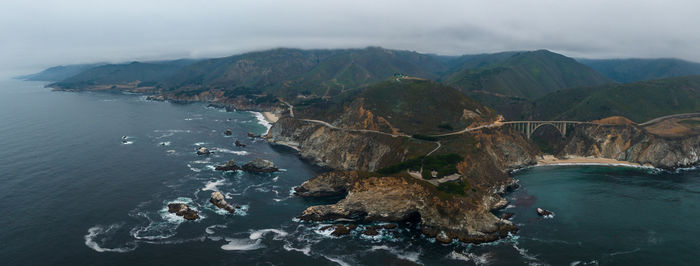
(38,34)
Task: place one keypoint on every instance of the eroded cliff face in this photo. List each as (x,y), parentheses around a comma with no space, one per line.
(393,198)
(633,144)
(343,150)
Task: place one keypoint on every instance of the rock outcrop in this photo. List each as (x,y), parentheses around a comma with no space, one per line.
(228,132)
(327,184)
(260,166)
(239,144)
(396,199)
(543,212)
(228,166)
(181,209)
(219,201)
(633,144)
(203,151)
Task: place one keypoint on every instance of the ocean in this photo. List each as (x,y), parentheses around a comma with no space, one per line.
(74,193)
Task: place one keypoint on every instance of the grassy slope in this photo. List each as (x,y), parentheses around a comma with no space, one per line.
(632,70)
(525,75)
(420,106)
(640,101)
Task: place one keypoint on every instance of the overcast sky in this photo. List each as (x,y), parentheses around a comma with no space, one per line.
(42,33)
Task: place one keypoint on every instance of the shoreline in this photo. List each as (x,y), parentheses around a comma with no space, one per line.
(270,117)
(550,160)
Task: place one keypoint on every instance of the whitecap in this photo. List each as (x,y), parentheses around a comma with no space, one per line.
(306,249)
(97,231)
(210,229)
(213,185)
(482,259)
(410,256)
(164,143)
(199,143)
(223,150)
(261,120)
(194,169)
(206,160)
(257,234)
(242,244)
(127,142)
(336,260)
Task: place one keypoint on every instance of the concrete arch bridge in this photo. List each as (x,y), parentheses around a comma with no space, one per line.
(528,127)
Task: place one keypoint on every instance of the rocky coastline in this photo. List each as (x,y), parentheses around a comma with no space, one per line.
(370,197)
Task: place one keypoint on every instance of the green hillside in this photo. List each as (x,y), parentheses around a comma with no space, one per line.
(145,73)
(414,106)
(292,72)
(58,73)
(524,74)
(631,70)
(640,101)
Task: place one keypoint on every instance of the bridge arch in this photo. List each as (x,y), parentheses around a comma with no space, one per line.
(528,127)
(546,124)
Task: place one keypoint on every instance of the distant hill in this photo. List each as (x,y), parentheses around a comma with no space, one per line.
(58,73)
(144,74)
(631,70)
(525,75)
(293,72)
(639,101)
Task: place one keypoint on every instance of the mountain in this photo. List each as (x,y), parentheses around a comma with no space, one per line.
(631,70)
(639,101)
(131,74)
(294,72)
(58,73)
(525,75)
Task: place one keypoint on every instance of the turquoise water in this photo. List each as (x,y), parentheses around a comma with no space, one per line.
(74,194)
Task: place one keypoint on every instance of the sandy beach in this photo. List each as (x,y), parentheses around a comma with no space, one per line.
(575,160)
(270,117)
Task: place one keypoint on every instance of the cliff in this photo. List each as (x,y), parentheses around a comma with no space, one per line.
(342,149)
(634,144)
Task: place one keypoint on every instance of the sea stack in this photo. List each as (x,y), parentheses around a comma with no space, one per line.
(181,209)
(228,166)
(219,201)
(228,132)
(203,151)
(260,166)
(543,212)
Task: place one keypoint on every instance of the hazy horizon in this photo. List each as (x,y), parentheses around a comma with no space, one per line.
(45,34)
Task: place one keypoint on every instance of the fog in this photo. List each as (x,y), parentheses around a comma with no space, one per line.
(39,34)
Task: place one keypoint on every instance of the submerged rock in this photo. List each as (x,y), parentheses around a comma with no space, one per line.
(507,215)
(260,166)
(239,144)
(228,132)
(203,151)
(371,231)
(543,212)
(252,135)
(219,201)
(228,166)
(181,209)
(339,229)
